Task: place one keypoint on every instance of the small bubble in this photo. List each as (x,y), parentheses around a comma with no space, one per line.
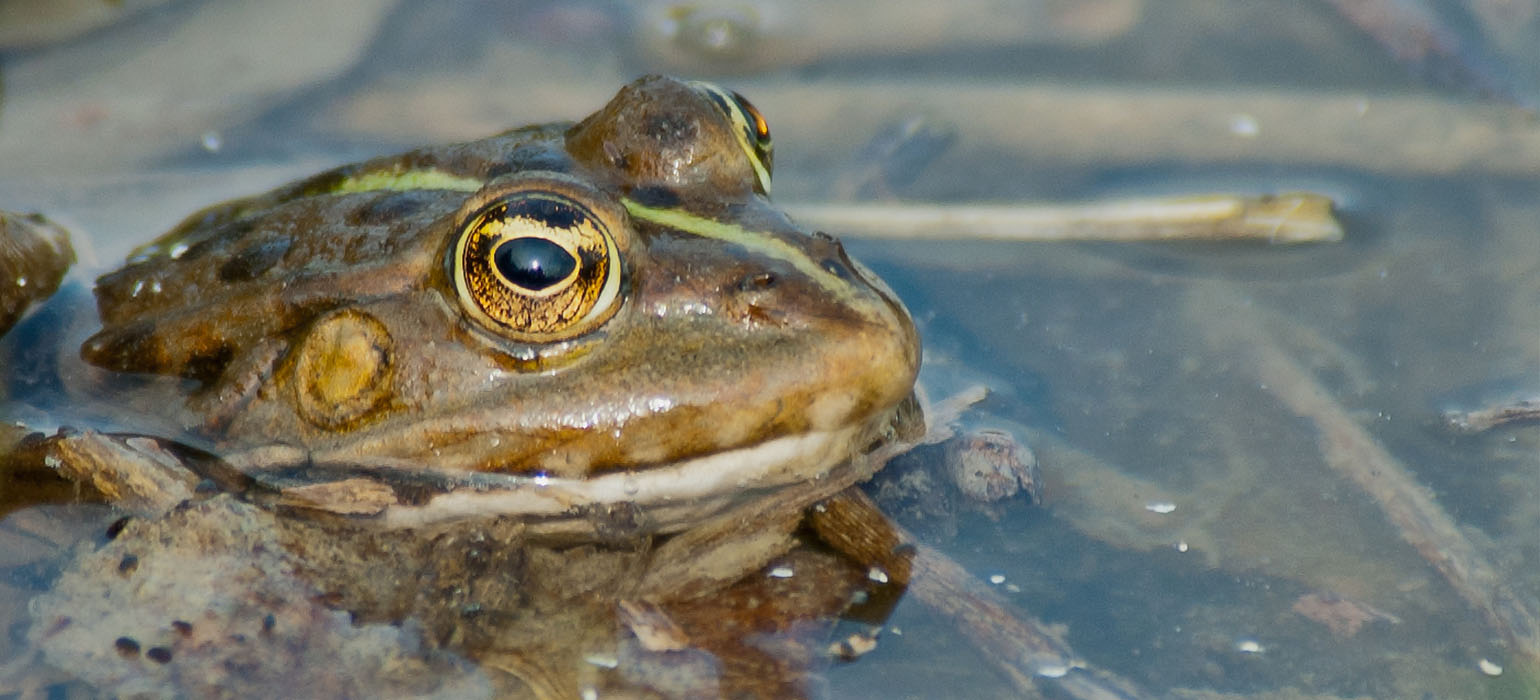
(180,249)
(1161,507)
(1053,670)
(21,281)
(997,579)
(1245,126)
(211,141)
(877,574)
(781,572)
(1489,668)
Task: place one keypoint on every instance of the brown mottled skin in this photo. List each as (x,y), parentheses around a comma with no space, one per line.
(715,345)
(34,255)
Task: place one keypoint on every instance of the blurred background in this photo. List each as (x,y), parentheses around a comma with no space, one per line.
(1196,537)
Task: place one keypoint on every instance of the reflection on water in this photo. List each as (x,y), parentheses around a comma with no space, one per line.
(1196,537)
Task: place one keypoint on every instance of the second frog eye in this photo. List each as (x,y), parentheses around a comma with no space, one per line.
(750,127)
(537,266)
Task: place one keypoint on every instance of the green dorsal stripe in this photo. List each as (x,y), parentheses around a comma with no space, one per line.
(756,241)
(407,180)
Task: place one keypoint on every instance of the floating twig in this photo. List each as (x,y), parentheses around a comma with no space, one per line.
(1287,218)
(1489,417)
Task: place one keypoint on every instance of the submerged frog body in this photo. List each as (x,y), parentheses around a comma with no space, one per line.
(600,337)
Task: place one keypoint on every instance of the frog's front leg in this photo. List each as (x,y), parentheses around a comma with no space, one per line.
(142,475)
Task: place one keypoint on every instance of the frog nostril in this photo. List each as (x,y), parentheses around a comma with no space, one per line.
(759,281)
(836,268)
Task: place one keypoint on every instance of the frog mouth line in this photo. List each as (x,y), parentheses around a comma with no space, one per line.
(663,498)
(667,499)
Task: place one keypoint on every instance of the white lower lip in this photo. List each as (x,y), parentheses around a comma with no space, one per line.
(669,498)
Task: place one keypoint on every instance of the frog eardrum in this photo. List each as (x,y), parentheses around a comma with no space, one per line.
(535,261)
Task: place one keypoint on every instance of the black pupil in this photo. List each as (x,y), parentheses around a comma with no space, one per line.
(533,263)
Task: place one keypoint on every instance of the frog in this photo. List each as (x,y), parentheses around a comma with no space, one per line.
(580,356)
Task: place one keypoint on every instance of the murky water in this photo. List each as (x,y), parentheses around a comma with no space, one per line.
(1202,534)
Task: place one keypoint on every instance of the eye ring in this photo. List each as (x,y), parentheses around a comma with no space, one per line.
(539,259)
(750,128)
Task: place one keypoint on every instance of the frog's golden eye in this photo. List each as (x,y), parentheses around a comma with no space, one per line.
(749,126)
(537,266)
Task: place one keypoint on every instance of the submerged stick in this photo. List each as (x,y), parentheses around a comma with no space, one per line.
(1287,218)
(1352,452)
(1025,650)
(1021,648)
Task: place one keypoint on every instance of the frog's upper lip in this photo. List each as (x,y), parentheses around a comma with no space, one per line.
(670,497)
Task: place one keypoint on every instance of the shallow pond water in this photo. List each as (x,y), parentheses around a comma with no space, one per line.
(1198,408)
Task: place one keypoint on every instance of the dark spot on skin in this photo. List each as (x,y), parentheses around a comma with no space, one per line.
(389,207)
(230,232)
(758,281)
(207,366)
(127,647)
(128,564)
(116,528)
(820,235)
(182,627)
(255,260)
(268,622)
(160,655)
(655,197)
